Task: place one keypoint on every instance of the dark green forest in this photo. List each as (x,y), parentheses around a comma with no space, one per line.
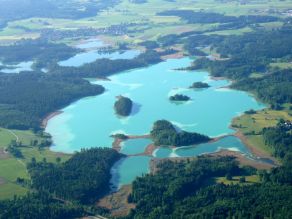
(39,205)
(274,88)
(252,53)
(40,51)
(21,9)
(84,177)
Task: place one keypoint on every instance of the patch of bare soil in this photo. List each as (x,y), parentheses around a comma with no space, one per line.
(2,181)
(243,160)
(3,154)
(117,202)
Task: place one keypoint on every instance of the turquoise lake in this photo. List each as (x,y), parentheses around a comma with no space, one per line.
(90,44)
(92,55)
(90,121)
(134,146)
(16,68)
(127,169)
(230,143)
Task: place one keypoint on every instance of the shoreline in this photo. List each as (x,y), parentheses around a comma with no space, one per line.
(116,145)
(242,159)
(178,55)
(261,154)
(48,117)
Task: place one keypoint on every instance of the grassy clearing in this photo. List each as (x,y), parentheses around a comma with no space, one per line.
(12,168)
(6,136)
(235,180)
(256,75)
(231,32)
(281,65)
(7,188)
(251,125)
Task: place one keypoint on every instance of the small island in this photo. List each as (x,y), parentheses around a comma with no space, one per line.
(199,85)
(179,97)
(164,133)
(123,106)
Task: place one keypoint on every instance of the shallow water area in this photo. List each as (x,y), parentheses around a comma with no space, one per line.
(16,68)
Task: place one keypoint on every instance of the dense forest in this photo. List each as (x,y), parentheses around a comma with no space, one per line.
(164,133)
(84,177)
(22,9)
(40,51)
(223,22)
(123,106)
(39,205)
(189,190)
(252,53)
(25,99)
(279,138)
(274,88)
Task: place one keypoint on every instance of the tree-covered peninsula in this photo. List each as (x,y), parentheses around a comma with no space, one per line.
(123,106)
(164,133)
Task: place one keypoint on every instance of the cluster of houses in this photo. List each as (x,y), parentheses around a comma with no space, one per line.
(287,125)
(116,30)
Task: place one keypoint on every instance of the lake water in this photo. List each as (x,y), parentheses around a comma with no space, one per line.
(17,68)
(135,146)
(90,121)
(91,44)
(127,169)
(92,54)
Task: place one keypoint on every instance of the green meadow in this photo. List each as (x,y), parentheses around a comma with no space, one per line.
(146,16)
(12,168)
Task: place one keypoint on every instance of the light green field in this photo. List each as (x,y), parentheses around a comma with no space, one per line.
(281,65)
(256,75)
(235,180)
(12,168)
(231,32)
